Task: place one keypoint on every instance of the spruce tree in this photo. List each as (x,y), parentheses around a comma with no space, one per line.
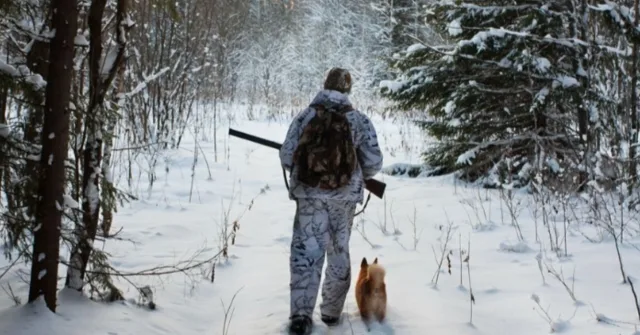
(504,95)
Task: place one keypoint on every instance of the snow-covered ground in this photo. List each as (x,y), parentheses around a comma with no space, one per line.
(404,232)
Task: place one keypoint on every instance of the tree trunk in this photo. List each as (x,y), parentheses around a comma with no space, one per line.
(96,120)
(92,155)
(633,168)
(4,99)
(55,138)
(107,211)
(37,60)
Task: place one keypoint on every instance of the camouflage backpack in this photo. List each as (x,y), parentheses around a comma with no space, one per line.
(326,156)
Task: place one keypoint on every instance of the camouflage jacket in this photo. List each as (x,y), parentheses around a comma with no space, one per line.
(364,138)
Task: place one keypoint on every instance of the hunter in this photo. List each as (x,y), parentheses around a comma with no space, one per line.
(330,150)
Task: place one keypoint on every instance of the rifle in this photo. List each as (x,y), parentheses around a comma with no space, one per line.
(376,187)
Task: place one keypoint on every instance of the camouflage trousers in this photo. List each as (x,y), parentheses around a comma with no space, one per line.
(320,226)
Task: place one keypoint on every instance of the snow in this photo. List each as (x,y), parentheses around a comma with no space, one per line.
(478,40)
(92,192)
(142,85)
(81,41)
(168,228)
(542,64)
(568,81)
(129,22)
(69,202)
(109,61)
(8,69)
(454,28)
(515,247)
(415,47)
(467,156)
(37,81)
(449,107)
(392,86)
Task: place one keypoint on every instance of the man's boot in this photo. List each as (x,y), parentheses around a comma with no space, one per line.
(300,325)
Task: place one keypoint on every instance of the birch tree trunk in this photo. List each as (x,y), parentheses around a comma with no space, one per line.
(96,120)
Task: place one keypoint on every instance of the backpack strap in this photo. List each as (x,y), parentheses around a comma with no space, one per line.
(346,109)
(342,110)
(317,106)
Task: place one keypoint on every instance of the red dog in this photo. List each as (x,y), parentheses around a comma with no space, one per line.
(371,292)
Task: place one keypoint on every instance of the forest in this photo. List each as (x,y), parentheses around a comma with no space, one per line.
(538,96)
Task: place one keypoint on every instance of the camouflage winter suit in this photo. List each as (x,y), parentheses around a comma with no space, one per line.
(323,218)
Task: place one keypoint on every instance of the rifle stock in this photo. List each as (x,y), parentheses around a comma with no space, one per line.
(374,186)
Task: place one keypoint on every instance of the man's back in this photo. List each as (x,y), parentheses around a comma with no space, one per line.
(364,139)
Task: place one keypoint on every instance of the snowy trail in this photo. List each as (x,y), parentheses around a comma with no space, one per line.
(168,229)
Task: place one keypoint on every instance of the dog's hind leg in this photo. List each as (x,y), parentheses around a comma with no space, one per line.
(380,315)
(366,319)
(367,324)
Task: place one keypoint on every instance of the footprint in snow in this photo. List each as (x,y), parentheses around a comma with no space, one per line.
(282,239)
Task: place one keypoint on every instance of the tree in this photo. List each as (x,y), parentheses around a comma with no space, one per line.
(55,138)
(506,96)
(623,122)
(103,68)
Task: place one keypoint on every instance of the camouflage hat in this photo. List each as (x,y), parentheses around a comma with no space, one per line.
(338,79)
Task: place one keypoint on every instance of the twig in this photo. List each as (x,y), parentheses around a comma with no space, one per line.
(635,296)
(472,298)
(10,266)
(539,260)
(507,197)
(443,251)
(360,229)
(155,271)
(545,315)
(206,162)
(461,260)
(16,299)
(416,238)
(228,313)
(560,278)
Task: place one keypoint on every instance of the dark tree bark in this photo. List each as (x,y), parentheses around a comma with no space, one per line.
(55,141)
(633,167)
(38,62)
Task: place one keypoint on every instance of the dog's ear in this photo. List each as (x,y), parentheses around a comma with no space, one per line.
(375,261)
(364,262)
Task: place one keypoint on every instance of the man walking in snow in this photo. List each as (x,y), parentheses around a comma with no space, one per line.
(330,150)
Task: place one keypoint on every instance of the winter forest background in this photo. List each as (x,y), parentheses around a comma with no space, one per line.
(535,95)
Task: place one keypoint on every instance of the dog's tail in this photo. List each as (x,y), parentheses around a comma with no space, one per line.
(376,273)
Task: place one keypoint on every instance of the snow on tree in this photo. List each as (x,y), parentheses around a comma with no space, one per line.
(505,95)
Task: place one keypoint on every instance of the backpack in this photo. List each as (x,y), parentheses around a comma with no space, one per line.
(325,155)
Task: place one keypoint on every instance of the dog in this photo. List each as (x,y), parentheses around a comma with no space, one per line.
(371,292)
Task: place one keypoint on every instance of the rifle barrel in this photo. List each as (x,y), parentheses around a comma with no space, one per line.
(259,140)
